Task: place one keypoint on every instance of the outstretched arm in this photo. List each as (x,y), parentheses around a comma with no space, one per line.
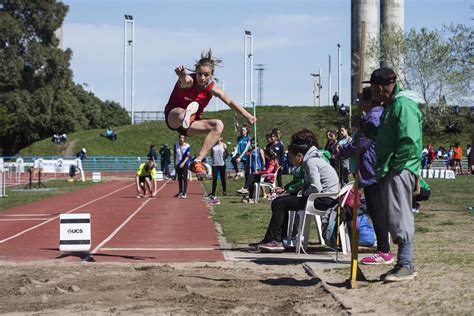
(218,92)
(185,81)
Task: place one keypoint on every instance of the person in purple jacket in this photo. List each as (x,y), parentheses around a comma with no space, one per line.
(368,178)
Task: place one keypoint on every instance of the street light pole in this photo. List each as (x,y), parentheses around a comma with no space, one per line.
(329,82)
(339,66)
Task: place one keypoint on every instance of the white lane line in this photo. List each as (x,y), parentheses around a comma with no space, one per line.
(115,232)
(56,217)
(28,215)
(23,219)
(159,249)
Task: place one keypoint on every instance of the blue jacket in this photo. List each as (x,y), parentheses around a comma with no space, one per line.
(368,159)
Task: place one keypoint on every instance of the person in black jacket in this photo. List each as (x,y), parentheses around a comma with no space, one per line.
(165,156)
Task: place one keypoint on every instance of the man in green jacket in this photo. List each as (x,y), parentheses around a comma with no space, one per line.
(398,148)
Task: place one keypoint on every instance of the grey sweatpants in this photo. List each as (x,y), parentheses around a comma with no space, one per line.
(397,194)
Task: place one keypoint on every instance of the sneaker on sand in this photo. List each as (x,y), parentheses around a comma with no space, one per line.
(398,274)
(378,258)
(197,168)
(272,246)
(190,113)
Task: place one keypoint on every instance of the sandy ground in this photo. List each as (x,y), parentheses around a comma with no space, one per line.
(214,288)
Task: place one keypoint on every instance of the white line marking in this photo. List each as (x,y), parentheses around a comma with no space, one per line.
(22,219)
(51,219)
(115,232)
(28,215)
(159,249)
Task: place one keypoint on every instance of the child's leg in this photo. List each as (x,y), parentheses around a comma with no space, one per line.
(223,181)
(148,186)
(214,180)
(213,128)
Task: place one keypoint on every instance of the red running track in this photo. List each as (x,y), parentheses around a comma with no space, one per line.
(124,228)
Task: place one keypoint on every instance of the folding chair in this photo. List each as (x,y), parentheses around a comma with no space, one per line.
(311,211)
(263,183)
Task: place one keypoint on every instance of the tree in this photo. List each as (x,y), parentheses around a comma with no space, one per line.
(438,64)
(37,94)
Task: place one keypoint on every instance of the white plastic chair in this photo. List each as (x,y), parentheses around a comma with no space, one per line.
(263,183)
(311,211)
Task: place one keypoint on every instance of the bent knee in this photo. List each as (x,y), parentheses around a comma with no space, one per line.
(218,126)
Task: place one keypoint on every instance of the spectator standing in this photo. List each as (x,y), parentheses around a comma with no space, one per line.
(457,156)
(255,161)
(219,154)
(82,154)
(431,156)
(342,165)
(398,148)
(368,178)
(152,153)
(165,159)
(278,148)
(335,101)
(424,158)
(240,157)
(182,159)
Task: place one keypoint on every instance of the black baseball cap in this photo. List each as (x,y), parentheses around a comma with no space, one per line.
(382,76)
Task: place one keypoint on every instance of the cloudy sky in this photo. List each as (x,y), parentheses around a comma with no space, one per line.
(292,38)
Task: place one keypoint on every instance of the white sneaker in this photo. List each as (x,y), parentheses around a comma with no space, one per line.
(191,110)
(183,196)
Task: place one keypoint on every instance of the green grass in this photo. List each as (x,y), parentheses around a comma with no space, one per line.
(16,198)
(134,140)
(244,223)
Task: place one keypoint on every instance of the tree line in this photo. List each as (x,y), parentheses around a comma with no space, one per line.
(37,94)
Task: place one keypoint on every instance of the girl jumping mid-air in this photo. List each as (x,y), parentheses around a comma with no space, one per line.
(191,94)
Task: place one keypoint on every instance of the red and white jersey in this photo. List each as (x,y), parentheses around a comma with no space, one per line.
(180,98)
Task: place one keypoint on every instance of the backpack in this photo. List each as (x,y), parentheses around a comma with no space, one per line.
(329,225)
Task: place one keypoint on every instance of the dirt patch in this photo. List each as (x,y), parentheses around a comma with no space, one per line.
(215,288)
(70,148)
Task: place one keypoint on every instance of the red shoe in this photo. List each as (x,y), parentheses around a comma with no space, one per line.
(190,114)
(198,168)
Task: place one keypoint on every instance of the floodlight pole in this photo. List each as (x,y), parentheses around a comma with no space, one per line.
(129,27)
(316,85)
(248,66)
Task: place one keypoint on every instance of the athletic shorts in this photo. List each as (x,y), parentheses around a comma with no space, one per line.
(142,178)
(180,130)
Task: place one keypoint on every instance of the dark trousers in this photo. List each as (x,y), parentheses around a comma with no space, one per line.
(278,178)
(218,171)
(165,168)
(249,183)
(277,227)
(373,199)
(235,165)
(182,174)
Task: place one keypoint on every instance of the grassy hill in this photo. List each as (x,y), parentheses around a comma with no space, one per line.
(135,140)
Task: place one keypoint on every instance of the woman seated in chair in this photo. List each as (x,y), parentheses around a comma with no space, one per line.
(319,176)
(271,167)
